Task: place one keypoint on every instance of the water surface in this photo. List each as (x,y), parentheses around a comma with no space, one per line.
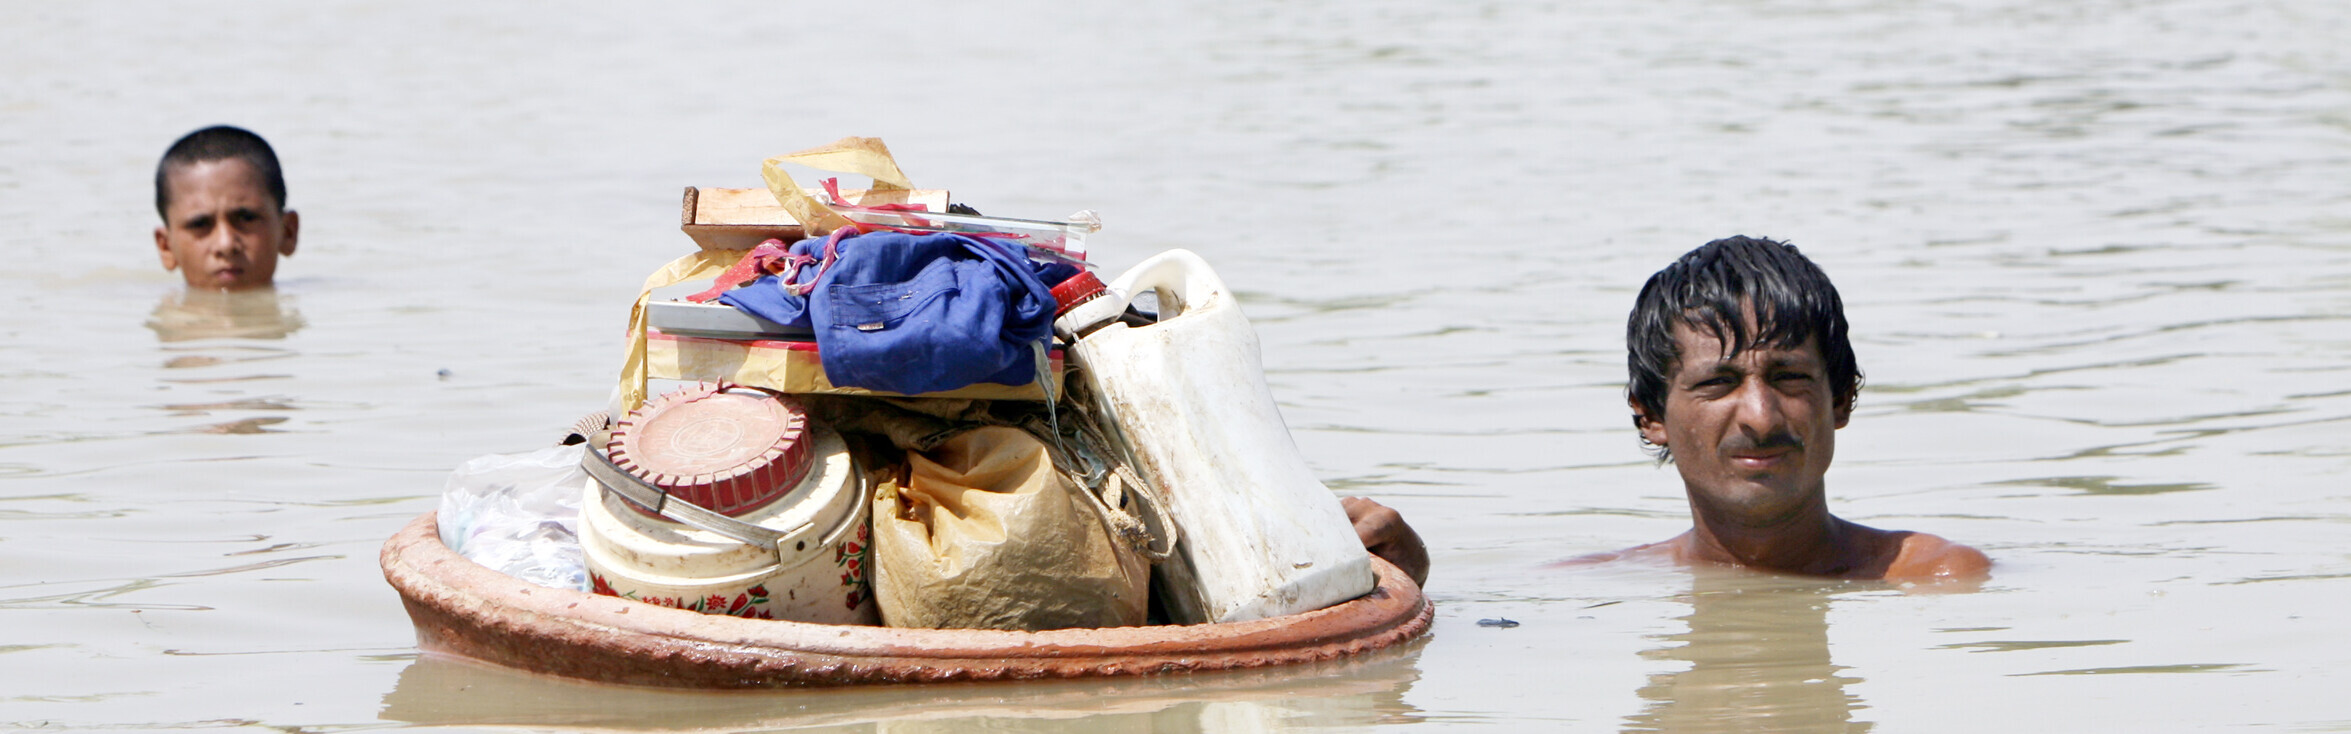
(2097,256)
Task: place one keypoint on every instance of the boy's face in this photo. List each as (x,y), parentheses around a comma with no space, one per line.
(221,229)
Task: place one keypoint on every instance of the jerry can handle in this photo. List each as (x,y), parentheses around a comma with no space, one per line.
(1179,275)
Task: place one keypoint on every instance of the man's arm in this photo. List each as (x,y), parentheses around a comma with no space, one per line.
(1384,534)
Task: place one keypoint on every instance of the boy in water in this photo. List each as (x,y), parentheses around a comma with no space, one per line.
(223,202)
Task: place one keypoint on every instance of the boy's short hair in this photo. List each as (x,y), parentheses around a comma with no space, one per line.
(214,143)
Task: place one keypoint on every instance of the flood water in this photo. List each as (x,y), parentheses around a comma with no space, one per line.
(2097,256)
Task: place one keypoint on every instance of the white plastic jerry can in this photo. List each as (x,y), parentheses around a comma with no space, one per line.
(1261,537)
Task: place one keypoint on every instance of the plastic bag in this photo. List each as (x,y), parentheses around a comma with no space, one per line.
(984,533)
(519,514)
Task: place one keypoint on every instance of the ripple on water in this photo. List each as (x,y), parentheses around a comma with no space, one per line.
(2153,669)
(2107,485)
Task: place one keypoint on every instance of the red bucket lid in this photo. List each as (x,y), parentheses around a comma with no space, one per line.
(727,451)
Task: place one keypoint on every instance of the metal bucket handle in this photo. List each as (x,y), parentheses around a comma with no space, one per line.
(659,501)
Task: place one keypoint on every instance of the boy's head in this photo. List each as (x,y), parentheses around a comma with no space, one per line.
(223,202)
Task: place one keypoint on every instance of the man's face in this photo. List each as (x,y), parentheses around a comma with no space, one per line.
(1753,434)
(221,229)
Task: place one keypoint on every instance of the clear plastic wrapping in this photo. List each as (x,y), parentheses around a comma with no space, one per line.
(518,514)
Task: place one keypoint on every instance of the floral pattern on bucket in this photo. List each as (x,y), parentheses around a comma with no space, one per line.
(851,557)
(750,604)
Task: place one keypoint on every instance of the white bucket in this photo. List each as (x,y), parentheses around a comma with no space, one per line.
(820,571)
(1261,536)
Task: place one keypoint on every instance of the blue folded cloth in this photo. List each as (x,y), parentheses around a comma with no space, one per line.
(916,313)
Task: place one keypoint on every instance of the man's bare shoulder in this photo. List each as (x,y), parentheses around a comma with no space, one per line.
(1929,557)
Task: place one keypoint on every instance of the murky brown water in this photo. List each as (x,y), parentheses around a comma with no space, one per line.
(2097,255)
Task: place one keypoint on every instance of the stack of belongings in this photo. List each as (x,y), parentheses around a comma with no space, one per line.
(869,412)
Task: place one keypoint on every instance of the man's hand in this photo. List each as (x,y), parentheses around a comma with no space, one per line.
(1385,535)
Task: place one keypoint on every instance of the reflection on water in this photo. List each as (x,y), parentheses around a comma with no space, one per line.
(260,313)
(241,426)
(189,315)
(1758,650)
(1351,693)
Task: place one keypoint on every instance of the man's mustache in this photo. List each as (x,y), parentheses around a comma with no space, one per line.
(1742,442)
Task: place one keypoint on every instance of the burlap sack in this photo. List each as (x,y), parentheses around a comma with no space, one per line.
(983,533)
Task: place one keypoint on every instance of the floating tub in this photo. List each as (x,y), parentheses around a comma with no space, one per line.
(461,608)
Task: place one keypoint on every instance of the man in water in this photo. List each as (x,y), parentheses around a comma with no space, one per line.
(1741,376)
(223,202)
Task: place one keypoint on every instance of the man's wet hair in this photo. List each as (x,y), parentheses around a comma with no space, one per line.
(1709,289)
(219,142)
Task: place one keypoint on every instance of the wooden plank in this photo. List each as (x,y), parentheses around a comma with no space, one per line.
(740,219)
